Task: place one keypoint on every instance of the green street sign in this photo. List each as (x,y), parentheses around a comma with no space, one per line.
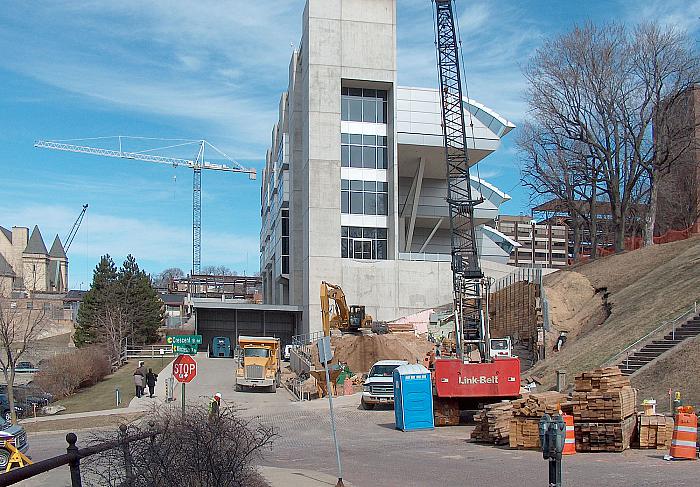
(188,349)
(185,340)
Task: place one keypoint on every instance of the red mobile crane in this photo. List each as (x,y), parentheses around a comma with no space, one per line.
(473,377)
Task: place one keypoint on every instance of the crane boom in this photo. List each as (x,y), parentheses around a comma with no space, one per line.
(196,164)
(468,279)
(74,229)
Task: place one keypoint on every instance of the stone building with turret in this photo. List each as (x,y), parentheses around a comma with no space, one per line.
(26,264)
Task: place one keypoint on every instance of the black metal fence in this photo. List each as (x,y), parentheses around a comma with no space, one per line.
(73,456)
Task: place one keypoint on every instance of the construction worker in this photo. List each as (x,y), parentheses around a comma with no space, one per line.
(215,405)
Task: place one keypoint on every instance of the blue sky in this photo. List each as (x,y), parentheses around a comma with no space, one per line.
(215,70)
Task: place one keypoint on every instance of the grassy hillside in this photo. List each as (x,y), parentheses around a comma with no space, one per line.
(676,370)
(640,289)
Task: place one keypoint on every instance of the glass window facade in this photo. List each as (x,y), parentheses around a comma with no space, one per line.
(367,151)
(285,241)
(363,105)
(363,243)
(364,197)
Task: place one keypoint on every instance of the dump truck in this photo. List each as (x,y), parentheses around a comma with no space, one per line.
(258,363)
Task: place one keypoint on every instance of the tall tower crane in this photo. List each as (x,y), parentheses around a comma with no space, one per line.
(197,163)
(464,381)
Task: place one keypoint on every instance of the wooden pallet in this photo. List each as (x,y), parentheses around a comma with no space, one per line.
(603,380)
(604,437)
(655,432)
(604,405)
(493,424)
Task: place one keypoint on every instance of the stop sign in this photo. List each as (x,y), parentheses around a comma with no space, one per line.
(184,368)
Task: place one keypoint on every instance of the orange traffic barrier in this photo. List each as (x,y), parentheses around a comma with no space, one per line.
(685,435)
(570,440)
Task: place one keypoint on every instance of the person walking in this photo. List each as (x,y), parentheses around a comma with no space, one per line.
(151,380)
(140,379)
(215,405)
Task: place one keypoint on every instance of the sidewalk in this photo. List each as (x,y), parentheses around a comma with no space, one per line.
(136,405)
(294,477)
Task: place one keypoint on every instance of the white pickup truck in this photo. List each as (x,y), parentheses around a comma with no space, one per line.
(378,388)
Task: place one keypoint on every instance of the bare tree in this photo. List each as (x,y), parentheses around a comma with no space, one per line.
(218,270)
(199,450)
(166,277)
(113,328)
(554,167)
(22,321)
(602,87)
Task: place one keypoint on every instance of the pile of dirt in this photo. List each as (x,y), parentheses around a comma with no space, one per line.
(638,289)
(676,370)
(360,352)
(575,307)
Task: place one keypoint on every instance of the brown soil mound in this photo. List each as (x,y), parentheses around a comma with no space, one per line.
(574,305)
(360,352)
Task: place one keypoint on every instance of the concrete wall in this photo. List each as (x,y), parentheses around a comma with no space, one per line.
(343,40)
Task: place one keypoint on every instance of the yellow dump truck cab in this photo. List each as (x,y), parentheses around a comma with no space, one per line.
(258,363)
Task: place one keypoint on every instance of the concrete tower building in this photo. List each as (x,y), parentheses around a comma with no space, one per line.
(354,188)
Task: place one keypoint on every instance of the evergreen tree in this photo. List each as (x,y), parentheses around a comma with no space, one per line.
(126,295)
(95,300)
(143,308)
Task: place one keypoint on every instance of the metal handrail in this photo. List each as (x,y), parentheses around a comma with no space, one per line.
(664,325)
(71,457)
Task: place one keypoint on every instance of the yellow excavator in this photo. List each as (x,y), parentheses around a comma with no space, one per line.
(347,319)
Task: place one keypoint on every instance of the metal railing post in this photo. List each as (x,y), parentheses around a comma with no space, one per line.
(74,462)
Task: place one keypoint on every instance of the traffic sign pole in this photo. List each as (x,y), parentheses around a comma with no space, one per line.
(183,399)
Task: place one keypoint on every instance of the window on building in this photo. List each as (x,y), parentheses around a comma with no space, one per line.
(364,105)
(285,241)
(363,243)
(364,197)
(368,151)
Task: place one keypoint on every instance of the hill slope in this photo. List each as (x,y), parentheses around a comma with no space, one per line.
(638,289)
(676,370)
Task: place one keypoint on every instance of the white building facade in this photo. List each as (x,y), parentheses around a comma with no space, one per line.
(354,187)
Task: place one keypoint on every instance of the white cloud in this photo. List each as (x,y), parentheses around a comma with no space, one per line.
(154,244)
(682,14)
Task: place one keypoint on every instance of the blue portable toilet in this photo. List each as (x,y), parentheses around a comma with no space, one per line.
(413,398)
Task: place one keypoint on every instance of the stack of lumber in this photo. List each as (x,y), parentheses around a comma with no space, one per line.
(655,432)
(446,412)
(602,380)
(524,433)
(603,406)
(604,437)
(535,405)
(524,426)
(400,327)
(493,424)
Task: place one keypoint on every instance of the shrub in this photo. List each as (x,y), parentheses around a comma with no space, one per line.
(65,373)
(198,450)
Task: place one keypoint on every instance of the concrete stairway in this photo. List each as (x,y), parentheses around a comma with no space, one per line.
(652,350)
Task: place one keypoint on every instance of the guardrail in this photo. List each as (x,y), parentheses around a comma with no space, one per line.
(663,328)
(73,456)
(152,351)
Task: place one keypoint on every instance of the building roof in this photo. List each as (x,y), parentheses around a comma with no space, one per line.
(5,267)
(172,299)
(57,249)
(7,233)
(74,295)
(36,243)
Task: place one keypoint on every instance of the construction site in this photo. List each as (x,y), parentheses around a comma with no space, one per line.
(394,301)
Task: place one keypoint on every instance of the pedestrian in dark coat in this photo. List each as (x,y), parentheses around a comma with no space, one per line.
(140,379)
(151,380)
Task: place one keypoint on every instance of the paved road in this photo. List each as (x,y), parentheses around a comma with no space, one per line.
(376,454)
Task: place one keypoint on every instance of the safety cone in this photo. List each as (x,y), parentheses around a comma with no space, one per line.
(570,439)
(685,434)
